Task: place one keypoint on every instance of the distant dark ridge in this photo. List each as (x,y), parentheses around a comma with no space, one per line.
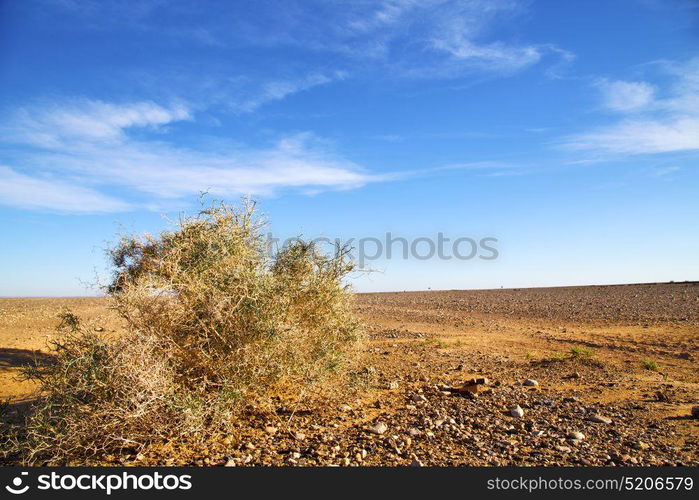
(656,283)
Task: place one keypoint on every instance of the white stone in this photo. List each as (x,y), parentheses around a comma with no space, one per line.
(517,411)
(599,419)
(379,428)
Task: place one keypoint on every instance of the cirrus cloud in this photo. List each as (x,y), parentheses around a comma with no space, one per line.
(45,193)
(651,122)
(626,96)
(93,145)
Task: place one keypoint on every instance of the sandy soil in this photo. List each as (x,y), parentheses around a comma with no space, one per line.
(584,346)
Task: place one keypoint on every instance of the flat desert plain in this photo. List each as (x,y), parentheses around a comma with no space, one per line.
(597,375)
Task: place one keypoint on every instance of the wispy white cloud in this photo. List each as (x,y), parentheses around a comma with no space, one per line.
(478,165)
(402,38)
(665,171)
(276,90)
(453,38)
(460,30)
(88,120)
(651,122)
(488,168)
(642,136)
(392,39)
(96,147)
(496,56)
(626,96)
(684,91)
(23,191)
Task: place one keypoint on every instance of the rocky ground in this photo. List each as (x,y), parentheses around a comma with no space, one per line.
(565,376)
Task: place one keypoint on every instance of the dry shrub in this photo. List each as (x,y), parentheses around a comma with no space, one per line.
(215,324)
(102,396)
(232,317)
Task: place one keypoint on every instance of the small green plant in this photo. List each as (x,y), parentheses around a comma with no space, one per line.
(649,364)
(434,342)
(555,357)
(581,352)
(576,354)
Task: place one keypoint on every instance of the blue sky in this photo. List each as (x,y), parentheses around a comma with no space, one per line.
(567,130)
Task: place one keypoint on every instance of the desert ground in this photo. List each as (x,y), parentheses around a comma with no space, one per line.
(603,375)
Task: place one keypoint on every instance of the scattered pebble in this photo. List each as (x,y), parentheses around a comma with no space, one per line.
(379,428)
(599,419)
